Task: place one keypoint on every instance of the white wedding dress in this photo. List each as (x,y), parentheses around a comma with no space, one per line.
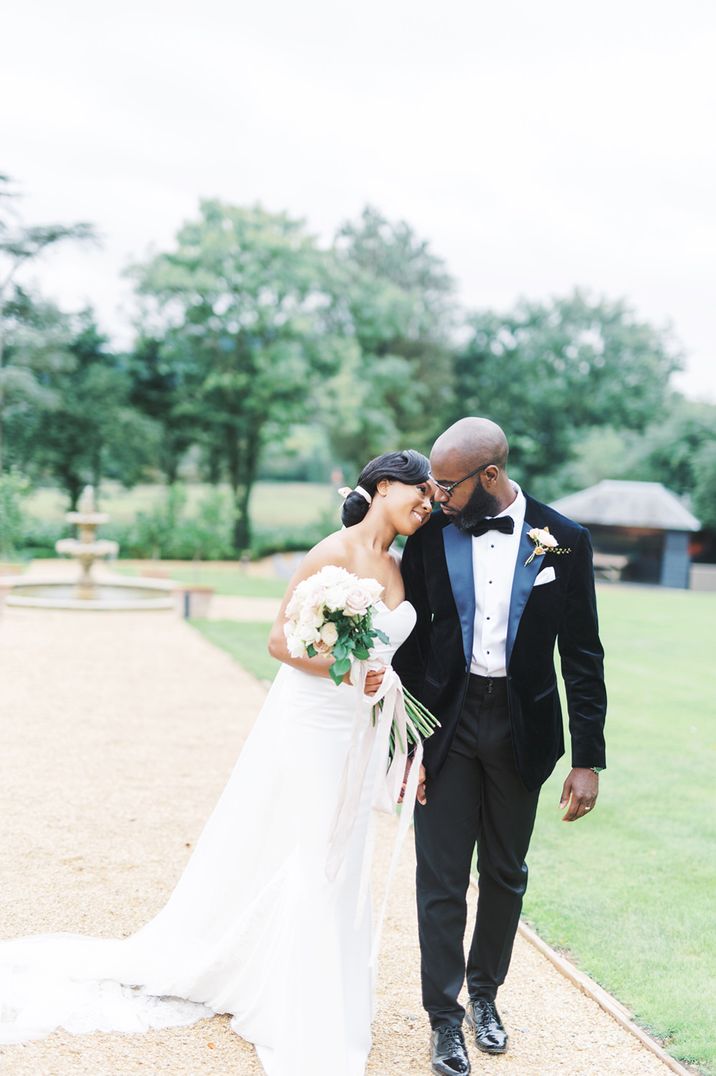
(269,920)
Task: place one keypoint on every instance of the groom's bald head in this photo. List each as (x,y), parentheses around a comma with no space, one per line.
(468,443)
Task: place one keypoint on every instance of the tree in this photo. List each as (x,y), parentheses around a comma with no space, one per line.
(549,372)
(393,308)
(671,449)
(91,432)
(705,485)
(37,338)
(161,389)
(237,304)
(21,326)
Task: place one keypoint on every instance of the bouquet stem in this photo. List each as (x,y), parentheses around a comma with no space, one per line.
(423,724)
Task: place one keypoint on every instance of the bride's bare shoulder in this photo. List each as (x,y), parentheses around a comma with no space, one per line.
(333,549)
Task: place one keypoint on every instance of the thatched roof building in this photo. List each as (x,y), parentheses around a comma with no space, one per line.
(642,526)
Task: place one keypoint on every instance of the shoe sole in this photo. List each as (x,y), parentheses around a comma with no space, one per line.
(483,1049)
(448,1072)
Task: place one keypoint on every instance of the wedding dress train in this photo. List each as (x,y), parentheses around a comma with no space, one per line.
(267,922)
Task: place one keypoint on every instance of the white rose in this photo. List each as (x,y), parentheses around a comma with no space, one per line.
(335,596)
(357,601)
(294,604)
(295,647)
(331,575)
(329,634)
(542,536)
(307,634)
(374,588)
(310,618)
(318,599)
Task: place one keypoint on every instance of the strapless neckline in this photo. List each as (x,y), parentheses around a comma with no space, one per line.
(395,608)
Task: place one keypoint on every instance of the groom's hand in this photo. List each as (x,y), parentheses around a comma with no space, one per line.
(579,793)
(421,795)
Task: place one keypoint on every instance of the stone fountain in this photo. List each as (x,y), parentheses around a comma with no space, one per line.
(87,591)
(87,548)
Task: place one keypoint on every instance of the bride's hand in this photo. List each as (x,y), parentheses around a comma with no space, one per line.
(373,680)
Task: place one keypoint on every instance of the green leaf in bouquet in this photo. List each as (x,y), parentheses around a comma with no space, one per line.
(381,635)
(311,650)
(339,669)
(340,651)
(361,653)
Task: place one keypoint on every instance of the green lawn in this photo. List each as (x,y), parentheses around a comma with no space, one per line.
(630,892)
(272,503)
(232,580)
(246,642)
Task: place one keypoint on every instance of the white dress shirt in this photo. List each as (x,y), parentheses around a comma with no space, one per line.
(494,556)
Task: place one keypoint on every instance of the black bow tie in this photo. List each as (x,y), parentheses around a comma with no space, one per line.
(505,524)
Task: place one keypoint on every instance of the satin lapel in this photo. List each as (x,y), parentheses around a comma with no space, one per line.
(522,582)
(458,554)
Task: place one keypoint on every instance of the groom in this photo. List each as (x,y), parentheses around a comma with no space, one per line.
(496,578)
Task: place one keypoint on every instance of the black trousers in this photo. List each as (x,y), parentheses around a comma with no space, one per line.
(477,798)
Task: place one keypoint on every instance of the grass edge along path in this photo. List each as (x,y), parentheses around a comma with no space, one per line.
(641,931)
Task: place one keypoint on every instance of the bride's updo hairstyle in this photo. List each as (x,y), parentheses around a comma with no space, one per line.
(410,467)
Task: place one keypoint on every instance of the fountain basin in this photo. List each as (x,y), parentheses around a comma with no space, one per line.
(73,547)
(87,519)
(129,594)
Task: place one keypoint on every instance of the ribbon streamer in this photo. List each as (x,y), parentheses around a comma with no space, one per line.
(367,769)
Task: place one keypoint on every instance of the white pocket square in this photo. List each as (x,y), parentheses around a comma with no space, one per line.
(545,576)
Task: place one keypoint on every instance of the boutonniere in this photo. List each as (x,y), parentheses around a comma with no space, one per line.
(544,543)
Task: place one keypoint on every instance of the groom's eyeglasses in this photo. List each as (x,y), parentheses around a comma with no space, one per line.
(448,487)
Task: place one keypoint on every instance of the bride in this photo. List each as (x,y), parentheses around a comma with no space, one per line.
(258,926)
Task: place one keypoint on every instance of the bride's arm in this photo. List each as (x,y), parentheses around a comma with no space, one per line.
(329,551)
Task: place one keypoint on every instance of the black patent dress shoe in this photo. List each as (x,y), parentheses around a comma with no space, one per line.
(484,1021)
(449,1054)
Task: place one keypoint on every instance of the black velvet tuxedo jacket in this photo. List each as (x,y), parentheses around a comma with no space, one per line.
(434,662)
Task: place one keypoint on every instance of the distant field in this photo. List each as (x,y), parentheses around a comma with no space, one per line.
(629,892)
(272,503)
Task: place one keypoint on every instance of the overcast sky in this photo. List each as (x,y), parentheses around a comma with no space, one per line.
(537,146)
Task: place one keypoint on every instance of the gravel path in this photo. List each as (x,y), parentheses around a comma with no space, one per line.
(119,730)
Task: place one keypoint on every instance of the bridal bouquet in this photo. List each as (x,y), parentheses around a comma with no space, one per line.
(331,613)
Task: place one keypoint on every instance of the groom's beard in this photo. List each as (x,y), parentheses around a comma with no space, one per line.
(481,504)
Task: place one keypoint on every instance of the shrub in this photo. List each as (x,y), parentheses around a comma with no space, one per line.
(14,487)
(38,538)
(168,532)
(295,540)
